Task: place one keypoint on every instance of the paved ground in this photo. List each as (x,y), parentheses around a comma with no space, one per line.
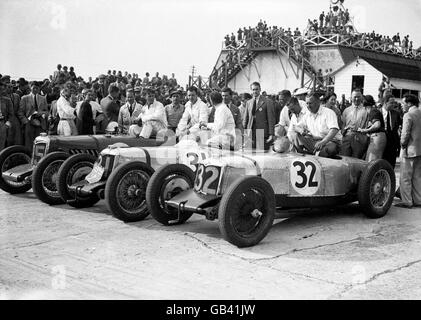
(63,253)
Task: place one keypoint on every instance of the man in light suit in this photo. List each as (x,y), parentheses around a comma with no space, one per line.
(33,114)
(260,119)
(410,169)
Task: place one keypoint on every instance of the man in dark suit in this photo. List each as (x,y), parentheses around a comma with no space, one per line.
(393,121)
(33,114)
(259,119)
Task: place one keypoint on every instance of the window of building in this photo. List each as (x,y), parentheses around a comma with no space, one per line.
(358,83)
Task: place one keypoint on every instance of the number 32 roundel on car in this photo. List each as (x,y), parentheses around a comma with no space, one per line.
(305,176)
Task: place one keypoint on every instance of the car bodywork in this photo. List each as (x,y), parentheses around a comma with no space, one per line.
(298,181)
(91,144)
(186,152)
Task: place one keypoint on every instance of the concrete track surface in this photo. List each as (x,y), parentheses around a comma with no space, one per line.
(64,253)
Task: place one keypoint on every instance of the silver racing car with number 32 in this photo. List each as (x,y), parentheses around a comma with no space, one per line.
(245,190)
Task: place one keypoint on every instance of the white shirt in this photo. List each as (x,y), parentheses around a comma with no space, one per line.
(321,123)
(284,119)
(193,116)
(154,112)
(223,127)
(64,109)
(296,119)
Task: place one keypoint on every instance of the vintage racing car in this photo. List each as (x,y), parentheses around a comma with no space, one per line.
(121,174)
(244,191)
(21,170)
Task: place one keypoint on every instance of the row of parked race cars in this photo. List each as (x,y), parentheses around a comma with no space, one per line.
(244,190)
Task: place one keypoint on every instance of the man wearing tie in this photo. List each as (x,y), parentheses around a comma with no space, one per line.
(260,119)
(410,168)
(33,113)
(392,121)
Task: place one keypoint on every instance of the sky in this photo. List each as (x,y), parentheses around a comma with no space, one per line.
(165,36)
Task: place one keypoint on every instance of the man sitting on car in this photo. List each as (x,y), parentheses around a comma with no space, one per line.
(152,116)
(223,127)
(318,131)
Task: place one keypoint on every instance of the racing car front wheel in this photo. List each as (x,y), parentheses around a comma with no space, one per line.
(73,170)
(376,189)
(125,191)
(165,184)
(44,178)
(246,211)
(12,157)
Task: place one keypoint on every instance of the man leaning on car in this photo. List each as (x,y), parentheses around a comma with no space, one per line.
(318,131)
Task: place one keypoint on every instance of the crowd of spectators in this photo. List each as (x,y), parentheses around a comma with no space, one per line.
(360,128)
(38,106)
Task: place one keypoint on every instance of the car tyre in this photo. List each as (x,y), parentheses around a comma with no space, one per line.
(44,178)
(376,189)
(125,191)
(246,211)
(9,158)
(73,170)
(165,184)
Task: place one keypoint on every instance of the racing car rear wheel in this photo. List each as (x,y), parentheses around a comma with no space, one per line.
(44,178)
(246,211)
(376,189)
(73,170)
(125,191)
(9,158)
(165,184)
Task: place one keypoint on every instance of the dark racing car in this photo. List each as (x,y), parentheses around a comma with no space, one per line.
(22,170)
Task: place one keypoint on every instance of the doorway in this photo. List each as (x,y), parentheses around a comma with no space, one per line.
(358,83)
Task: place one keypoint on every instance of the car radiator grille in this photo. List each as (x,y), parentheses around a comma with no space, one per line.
(88,151)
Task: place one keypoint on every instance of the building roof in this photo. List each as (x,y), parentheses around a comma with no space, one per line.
(388,64)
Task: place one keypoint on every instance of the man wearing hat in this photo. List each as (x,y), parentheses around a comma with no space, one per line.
(153,117)
(33,113)
(6,110)
(174,111)
(138,95)
(301,94)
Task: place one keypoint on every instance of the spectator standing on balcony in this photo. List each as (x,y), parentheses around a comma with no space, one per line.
(354,117)
(321,19)
(240,35)
(260,119)
(410,168)
(172,82)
